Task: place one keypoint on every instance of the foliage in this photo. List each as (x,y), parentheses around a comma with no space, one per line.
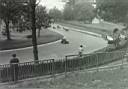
(78,10)
(84,11)
(68,12)
(42,17)
(22,21)
(56,14)
(112,10)
(9,11)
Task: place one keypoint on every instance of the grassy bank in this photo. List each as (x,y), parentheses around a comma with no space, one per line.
(101,28)
(105,79)
(20,40)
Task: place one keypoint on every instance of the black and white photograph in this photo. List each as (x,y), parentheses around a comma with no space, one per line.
(64,44)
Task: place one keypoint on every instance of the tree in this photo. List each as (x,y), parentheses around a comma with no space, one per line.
(42,18)
(38,18)
(78,10)
(55,13)
(9,9)
(112,10)
(23,20)
(68,12)
(29,18)
(83,11)
(33,28)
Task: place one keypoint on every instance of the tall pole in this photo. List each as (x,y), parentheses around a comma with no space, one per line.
(33,27)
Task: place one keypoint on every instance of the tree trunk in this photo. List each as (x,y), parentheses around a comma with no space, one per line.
(39,32)
(34,39)
(7,30)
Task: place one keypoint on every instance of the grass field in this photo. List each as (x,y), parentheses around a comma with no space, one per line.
(105,79)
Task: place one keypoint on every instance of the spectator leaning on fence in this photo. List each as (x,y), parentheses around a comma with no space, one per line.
(80,50)
(14,67)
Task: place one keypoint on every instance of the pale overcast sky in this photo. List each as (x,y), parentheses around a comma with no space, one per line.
(53,3)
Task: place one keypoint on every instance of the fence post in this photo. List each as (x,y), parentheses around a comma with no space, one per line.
(122,62)
(65,66)
(36,63)
(123,57)
(14,73)
(53,69)
(97,62)
(80,62)
(0,73)
(126,56)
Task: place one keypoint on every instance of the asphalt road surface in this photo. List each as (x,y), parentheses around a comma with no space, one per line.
(57,50)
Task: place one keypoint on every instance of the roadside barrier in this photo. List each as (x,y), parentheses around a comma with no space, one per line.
(15,72)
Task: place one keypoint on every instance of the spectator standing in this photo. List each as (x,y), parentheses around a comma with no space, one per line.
(14,67)
(80,50)
(116,37)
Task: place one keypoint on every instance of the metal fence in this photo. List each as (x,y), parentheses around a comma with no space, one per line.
(9,72)
(74,62)
(13,72)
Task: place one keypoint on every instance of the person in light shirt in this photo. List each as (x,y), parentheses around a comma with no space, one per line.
(81,50)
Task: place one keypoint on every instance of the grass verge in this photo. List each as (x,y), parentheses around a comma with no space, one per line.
(46,37)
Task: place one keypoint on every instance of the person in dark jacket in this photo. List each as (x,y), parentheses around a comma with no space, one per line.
(14,67)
